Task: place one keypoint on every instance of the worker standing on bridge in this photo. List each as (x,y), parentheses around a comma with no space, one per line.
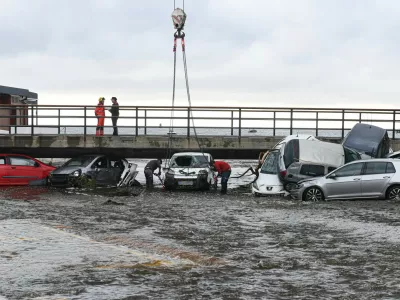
(149,170)
(114,114)
(224,170)
(100,114)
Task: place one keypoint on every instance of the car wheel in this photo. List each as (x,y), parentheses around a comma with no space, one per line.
(393,193)
(313,194)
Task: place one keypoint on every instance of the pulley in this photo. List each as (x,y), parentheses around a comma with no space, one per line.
(178,19)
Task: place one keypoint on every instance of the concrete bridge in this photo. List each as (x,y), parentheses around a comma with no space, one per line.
(60,146)
(225,132)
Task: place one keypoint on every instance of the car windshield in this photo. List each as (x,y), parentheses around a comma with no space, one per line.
(193,161)
(350,155)
(82,161)
(270,165)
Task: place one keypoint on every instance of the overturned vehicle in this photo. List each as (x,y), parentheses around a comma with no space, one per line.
(304,159)
(189,170)
(102,170)
(368,140)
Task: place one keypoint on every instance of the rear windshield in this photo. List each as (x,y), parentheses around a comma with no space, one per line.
(195,161)
(312,170)
(82,161)
(270,165)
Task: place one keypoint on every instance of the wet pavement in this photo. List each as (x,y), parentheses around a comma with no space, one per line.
(77,244)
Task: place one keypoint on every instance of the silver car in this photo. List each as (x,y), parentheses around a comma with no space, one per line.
(373,178)
(103,169)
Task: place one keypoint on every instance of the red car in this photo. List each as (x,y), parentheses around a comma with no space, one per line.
(17,169)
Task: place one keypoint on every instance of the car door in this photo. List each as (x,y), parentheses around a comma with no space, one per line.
(375,178)
(3,171)
(103,174)
(346,183)
(21,170)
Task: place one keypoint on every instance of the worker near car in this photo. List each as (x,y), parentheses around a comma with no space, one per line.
(100,114)
(114,114)
(224,170)
(149,171)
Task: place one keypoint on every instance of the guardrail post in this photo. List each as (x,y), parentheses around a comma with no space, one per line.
(240,122)
(394,125)
(145,121)
(342,123)
(84,122)
(32,129)
(316,125)
(274,129)
(188,122)
(137,121)
(231,122)
(291,121)
(359,117)
(59,121)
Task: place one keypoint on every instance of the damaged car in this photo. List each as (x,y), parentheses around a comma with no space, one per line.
(368,140)
(103,170)
(305,158)
(268,182)
(189,170)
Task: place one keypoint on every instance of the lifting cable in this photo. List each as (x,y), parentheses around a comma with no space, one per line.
(179,18)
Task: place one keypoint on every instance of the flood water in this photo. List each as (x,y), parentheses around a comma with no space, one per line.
(140,244)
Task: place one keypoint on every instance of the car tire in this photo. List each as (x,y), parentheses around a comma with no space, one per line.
(393,193)
(313,194)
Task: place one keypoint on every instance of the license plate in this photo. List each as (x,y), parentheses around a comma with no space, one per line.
(185,182)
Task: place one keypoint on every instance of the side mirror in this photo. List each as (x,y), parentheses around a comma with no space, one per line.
(129,165)
(332,176)
(37,165)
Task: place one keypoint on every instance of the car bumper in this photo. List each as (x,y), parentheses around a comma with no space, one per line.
(186,182)
(269,191)
(296,193)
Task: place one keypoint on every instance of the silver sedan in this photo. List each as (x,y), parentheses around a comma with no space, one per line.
(369,179)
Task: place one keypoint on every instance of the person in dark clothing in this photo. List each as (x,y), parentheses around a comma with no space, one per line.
(149,170)
(224,170)
(114,114)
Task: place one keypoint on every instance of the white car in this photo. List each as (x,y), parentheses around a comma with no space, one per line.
(268,182)
(281,146)
(189,170)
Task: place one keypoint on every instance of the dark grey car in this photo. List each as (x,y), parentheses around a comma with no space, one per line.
(303,170)
(104,170)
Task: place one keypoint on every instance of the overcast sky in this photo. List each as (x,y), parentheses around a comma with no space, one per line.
(251,52)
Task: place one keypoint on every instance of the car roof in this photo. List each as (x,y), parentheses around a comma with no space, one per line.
(191,154)
(394,160)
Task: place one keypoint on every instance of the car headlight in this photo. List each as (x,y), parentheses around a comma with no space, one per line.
(76,173)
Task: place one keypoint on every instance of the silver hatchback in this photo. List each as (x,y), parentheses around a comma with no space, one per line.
(373,178)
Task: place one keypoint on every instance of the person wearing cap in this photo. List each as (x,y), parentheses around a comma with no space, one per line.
(114,114)
(149,171)
(100,114)
(224,170)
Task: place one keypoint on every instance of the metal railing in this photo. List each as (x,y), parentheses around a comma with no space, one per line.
(209,121)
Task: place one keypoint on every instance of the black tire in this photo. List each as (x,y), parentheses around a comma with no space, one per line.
(313,194)
(393,193)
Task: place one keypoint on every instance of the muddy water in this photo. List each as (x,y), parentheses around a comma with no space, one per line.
(159,245)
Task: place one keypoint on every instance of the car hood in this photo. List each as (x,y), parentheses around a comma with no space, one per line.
(310,179)
(66,170)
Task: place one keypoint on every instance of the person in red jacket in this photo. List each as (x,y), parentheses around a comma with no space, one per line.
(100,114)
(224,170)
